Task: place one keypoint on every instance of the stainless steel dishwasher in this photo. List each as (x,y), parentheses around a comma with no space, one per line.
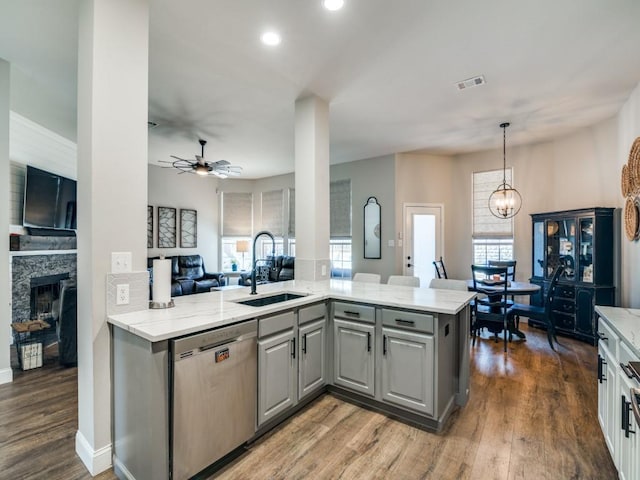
(213,396)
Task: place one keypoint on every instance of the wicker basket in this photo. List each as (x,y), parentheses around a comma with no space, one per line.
(631,219)
(625,181)
(633,167)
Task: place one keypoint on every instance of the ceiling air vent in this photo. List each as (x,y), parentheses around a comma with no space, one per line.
(471,82)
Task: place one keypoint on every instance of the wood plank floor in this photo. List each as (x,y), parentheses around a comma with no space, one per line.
(532,414)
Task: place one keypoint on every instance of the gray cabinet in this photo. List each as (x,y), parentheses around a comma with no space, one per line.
(354,356)
(311,361)
(408,369)
(276,366)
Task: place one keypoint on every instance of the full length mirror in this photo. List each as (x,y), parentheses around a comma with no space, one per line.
(372,228)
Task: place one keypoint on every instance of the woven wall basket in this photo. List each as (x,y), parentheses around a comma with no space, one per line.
(631,219)
(633,167)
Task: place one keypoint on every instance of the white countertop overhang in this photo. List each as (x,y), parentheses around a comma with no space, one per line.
(625,322)
(203,311)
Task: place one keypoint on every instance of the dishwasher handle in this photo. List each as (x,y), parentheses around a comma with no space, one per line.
(192,345)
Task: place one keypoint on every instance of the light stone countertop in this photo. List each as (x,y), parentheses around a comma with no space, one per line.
(625,322)
(195,313)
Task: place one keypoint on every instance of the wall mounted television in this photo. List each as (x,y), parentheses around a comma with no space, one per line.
(49,200)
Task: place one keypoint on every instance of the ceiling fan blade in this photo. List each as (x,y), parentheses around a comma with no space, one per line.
(222,163)
(178,158)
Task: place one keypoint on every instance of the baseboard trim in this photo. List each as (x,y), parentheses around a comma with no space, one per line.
(6,375)
(96,461)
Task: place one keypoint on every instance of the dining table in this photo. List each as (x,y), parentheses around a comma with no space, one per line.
(513,288)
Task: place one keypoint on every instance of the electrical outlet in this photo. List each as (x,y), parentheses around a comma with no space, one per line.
(122,294)
(120,262)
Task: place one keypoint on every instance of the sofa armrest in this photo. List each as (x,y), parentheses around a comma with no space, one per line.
(218,276)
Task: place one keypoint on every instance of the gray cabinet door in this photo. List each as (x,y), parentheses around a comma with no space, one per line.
(276,375)
(311,363)
(408,369)
(354,356)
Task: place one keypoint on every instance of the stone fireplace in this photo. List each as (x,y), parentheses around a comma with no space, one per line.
(36,282)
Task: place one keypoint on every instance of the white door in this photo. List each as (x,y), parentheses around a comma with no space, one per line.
(423,240)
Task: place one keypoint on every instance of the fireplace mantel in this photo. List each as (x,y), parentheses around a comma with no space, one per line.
(23,253)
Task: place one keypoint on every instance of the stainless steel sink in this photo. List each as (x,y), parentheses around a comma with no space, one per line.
(269,299)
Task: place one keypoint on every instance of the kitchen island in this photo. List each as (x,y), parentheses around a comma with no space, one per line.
(401,350)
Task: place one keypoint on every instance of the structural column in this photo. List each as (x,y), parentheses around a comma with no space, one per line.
(6,374)
(112,193)
(312,188)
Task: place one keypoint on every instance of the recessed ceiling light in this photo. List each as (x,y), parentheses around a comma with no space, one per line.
(333,4)
(271,38)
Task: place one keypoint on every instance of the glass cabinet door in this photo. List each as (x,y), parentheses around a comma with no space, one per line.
(538,249)
(585,255)
(561,241)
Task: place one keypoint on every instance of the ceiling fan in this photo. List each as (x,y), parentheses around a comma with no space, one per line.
(221,168)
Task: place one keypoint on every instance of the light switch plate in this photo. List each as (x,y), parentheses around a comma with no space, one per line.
(120,262)
(392,243)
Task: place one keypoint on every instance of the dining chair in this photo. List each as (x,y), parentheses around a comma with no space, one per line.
(405,280)
(511,276)
(491,310)
(441,272)
(366,277)
(448,284)
(543,313)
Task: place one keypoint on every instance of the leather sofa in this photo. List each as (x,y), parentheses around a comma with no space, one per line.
(278,269)
(188,275)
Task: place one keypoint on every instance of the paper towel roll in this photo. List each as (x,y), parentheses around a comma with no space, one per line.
(161,291)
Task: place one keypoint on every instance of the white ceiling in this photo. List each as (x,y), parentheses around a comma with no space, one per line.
(388,69)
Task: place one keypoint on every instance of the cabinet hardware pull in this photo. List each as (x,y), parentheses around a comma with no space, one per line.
(601,363)
(635,398)
(407,323)
(293,348)
(602,336)
(368,341)
(627,370)
(355,314)
(304,344)
(384,345)
(626,411)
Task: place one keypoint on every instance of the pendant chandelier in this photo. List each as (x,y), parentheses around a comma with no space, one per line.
(505,201)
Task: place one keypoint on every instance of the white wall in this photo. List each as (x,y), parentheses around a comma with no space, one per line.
(422,178)
(371,177)
(577,171)
(168,188)
(628,130)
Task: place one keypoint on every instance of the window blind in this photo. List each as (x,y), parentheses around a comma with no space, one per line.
(272,212)
(292,213)
(237,214)
(340,208)
(486,225)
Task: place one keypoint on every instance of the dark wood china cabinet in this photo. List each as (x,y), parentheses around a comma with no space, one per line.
(582,241)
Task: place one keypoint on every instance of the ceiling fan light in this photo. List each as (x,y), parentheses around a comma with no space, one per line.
(201,169)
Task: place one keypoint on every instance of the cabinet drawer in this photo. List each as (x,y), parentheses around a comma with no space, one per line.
(607,337)
(564,306)
(419,322)
(564,321)
(352,311)
(275,324)
(565,291)
(625,354)
(313,312)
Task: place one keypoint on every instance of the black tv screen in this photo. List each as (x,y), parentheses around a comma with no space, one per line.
(49,200)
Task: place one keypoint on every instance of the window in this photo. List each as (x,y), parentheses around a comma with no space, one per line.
(340,255)
(340,228)
(237,220)
(492,236)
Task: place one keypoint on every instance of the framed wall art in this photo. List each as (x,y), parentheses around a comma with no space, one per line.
(188,228)
(149,226)
(166,227)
